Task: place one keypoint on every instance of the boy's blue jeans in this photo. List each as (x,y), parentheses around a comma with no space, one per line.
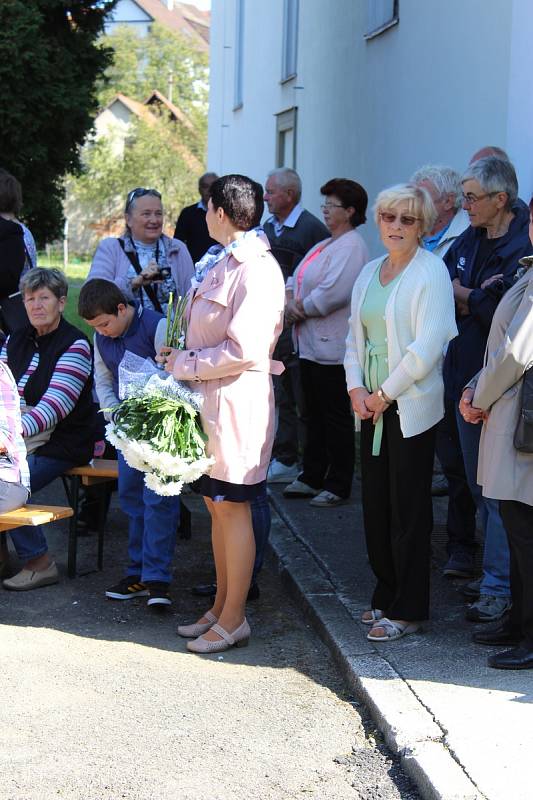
(153,521)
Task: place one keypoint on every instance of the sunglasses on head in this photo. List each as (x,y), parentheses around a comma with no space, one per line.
(405,219)
(140,192)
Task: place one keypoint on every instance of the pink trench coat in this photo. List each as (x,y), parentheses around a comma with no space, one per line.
(234,320)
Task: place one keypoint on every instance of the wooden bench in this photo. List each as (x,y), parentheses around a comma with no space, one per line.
(33,515)
(29,515)
(100,470)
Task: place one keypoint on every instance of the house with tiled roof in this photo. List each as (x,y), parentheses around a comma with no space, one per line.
(181,18)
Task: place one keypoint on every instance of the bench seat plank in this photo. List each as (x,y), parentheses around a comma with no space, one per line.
(99,470)
(33,515)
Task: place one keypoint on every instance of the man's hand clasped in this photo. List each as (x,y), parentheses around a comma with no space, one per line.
(469,412)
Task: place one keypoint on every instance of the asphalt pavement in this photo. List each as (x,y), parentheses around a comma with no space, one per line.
(102,701)
(463,731)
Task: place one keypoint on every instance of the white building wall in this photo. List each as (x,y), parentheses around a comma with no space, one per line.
(449,78)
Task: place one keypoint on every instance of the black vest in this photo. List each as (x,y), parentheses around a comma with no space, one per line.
(73,438)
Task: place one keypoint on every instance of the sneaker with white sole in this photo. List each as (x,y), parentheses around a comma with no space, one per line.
(127,588)
(488,608)
(299,489)
(282,473)
(158,593)
(327,500)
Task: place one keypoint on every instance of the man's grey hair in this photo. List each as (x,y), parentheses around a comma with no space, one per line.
(490,150)
(288,179)
(445,180)
(43,278)
(494,175)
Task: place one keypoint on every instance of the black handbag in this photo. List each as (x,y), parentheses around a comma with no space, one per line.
(523,435)
(12,313)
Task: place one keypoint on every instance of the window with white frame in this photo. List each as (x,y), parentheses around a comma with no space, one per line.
(286,138)
(239,52)
(290,40)
(381,15)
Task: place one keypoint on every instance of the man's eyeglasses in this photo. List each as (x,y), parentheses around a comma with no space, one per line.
(405,219)
(331,205)
(469,199)
(140,192)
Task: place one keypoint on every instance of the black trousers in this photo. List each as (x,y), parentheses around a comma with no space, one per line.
(518,521)
(329,453)
(398,516)
(291,428)
(461,522)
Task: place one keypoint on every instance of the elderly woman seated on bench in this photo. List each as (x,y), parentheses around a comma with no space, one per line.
(52,365)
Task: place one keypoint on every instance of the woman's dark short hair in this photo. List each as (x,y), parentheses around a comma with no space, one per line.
(44,278)
(351,194)
(241,198)
(99,296)
(10,193)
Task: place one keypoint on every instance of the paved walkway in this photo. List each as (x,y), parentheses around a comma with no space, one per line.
(464,731)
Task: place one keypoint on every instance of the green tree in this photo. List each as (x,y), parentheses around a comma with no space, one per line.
(49,62)
(153,156)
(161,60)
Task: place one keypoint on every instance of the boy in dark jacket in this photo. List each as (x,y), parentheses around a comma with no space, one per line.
(153,519)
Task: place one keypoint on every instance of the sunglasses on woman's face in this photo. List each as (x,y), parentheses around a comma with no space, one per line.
(405,219)
(135,193)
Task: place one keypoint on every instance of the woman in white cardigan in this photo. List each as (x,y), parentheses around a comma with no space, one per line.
(402,319)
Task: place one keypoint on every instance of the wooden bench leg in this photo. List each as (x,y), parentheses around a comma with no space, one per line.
(4,556)
(102,512)
(185,521)
(73,527)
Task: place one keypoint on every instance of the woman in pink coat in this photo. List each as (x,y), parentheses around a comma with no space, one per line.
(235,316)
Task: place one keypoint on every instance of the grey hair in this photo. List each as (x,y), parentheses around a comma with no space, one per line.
(419,203)
(445,180)
(494,175)
(44,278)
(288,179)
(490,150)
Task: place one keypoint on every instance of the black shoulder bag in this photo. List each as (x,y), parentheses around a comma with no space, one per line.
(134,260)
(523,435)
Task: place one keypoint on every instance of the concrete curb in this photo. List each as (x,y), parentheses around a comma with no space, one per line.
(407,726)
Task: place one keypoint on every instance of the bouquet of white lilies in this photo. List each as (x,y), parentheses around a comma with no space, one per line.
(156,427)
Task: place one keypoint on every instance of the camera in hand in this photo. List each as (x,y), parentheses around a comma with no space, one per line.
(162,274)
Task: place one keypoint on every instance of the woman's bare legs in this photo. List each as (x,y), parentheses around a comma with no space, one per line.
(234,553)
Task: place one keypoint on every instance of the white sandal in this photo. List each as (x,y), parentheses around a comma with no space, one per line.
(393,630)
(376,615)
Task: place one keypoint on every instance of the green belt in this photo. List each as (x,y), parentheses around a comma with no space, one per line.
(373,354)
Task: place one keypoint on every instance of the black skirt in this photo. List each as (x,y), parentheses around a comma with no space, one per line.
(222,490)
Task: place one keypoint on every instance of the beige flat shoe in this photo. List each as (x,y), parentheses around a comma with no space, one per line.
(239,638)
(28,579)
(197,628)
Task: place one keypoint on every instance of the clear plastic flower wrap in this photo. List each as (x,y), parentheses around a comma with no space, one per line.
(157,426)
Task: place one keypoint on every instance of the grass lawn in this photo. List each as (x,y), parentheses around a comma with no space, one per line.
(76,274)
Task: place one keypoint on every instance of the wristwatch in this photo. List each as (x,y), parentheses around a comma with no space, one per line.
(383,397)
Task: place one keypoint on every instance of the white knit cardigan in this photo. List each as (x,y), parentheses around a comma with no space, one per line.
(420,321)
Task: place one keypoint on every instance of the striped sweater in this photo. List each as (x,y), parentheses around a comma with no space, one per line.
(72,371)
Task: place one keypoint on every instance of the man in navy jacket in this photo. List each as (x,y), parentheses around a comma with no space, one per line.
(482,263)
